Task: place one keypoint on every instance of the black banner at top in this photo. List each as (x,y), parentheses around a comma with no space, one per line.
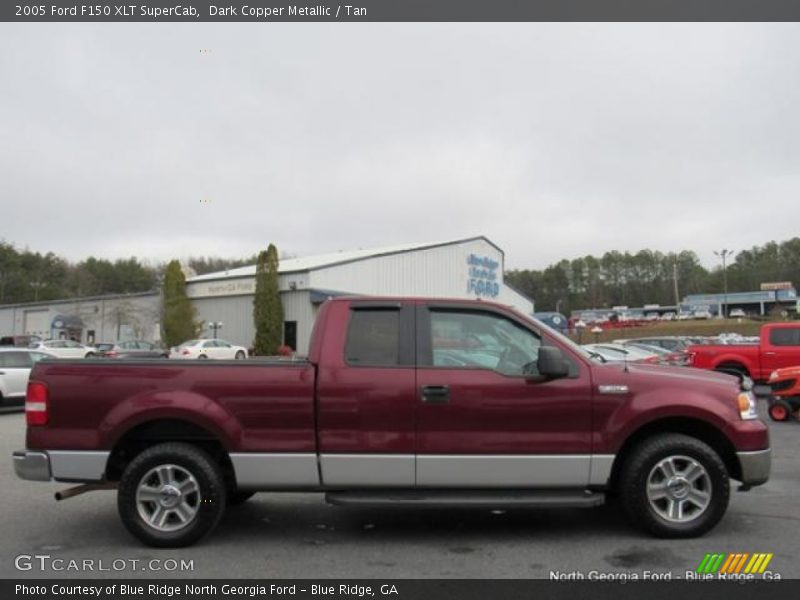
(363,11)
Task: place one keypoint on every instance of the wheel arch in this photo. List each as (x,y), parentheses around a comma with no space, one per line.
(159,430)
(696,428)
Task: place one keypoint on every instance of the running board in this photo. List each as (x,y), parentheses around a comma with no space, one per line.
(467,498)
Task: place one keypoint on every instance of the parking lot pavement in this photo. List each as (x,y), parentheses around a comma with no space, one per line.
(297,535)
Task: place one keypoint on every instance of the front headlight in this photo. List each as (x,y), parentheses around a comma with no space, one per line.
(747,406)
(773,375)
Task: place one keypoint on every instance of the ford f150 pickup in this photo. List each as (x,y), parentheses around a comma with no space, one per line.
(778,347)
(403,401)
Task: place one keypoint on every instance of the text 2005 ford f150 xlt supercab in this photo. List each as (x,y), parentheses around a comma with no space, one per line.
(403,401)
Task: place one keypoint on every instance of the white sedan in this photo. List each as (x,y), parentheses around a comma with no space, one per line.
(15,367)
(64,348)
(219,349)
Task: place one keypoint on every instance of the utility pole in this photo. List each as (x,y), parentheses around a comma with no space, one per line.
(723,254)
(675,285)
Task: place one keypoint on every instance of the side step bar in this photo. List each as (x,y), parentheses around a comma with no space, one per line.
(467,498)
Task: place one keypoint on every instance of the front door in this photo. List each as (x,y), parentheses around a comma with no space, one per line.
(484,418)
(781,348)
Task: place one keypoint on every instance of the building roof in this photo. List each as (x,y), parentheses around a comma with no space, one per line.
(309,263)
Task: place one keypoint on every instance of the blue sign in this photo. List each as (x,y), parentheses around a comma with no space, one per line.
(482,276)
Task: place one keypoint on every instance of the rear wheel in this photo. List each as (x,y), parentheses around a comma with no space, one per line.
(171,495)
(674,486)
(240,355)
(780,410)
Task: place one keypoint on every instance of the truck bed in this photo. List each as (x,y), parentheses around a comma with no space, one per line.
(252,406)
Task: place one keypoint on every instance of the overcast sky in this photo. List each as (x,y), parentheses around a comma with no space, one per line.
(555,141)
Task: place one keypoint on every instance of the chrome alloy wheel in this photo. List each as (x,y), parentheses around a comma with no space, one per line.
(679,489)
(168,498)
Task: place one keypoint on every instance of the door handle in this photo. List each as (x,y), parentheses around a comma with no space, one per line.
(435,394)
(770,353)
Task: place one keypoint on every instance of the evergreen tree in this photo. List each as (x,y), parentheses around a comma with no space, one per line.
(180,317)
(267,307)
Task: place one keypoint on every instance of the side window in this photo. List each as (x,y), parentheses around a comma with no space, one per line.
(211,344)
(373,338)
(788,336)
(464,339)
(37,356)
(16,360)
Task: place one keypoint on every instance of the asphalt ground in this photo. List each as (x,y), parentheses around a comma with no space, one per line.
(300,536)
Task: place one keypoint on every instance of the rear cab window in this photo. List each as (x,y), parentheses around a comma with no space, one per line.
(785,336)
(373,337)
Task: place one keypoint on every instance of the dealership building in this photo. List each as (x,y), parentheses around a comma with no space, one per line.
(465,268)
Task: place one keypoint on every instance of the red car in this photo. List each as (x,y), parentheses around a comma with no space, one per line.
(401,401)
(778,347)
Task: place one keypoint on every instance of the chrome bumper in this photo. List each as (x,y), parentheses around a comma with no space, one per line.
(32,465)
(755,466)
(62,465)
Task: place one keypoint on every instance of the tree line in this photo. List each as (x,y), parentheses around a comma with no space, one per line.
(650,277)
(613,279)
(27,276)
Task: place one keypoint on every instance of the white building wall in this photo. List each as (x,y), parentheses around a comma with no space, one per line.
(109,318)
(236,315)
(442,271)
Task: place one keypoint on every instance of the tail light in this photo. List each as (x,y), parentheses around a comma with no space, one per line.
(111,354)
(185,352)
(690,356)
(36,404)
(652,360)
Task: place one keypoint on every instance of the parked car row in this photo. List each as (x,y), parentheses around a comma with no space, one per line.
(130,349)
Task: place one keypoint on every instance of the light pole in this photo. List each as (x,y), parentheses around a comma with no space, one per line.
(558,305)
(215,326)
(723,254)
(36,285)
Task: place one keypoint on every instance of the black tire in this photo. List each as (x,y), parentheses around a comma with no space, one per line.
(89,355)
(240,355)
(645,463)
(202,357)
(780,410)
(235,497)
(209,500)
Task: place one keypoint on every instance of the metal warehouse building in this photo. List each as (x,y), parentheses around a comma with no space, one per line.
(464,268)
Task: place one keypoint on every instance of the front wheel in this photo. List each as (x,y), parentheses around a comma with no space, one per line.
(240,355)
(780,410)
(171,495)
(674,486)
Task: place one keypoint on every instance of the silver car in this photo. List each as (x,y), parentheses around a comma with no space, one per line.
(15,367)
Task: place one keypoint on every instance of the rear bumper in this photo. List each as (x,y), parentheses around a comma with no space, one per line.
(61,465)
(755,466)
(32,465)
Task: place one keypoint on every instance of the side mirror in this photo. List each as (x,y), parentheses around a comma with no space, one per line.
(551,363)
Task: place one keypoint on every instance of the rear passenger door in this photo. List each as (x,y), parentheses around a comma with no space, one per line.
(367,397)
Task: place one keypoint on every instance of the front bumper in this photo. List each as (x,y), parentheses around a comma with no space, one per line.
(32,465)
(755,466)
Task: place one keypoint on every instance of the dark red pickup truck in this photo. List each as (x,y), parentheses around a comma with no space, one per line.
(778,347)
(401,401)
